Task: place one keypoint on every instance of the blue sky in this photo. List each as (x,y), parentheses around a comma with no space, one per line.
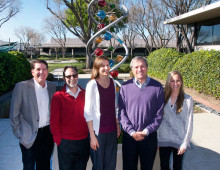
(32,15)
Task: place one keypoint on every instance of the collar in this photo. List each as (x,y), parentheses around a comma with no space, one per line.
(139,84)
(39,86)
(70,92)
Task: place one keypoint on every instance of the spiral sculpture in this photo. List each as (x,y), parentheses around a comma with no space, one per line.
(104,33)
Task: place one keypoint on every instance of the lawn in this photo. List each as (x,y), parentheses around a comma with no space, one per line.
(53,66)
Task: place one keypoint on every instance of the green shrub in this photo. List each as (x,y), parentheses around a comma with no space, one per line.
(161,62)
(201,71)
(124,70)
(14,67)
(50,77)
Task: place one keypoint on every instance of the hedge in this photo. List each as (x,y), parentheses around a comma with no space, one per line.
(13,68)
(200,69)
(162,61)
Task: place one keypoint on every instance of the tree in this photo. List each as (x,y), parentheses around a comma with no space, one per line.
(8,9)
(184,34)
(57,31)
(30,39)
(129,35)
(73,14)
(146,18)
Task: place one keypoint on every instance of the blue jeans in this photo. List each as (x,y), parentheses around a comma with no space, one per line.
(145,149)
(104,158)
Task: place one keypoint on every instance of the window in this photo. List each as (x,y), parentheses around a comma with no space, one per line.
(216,34)
(208,35)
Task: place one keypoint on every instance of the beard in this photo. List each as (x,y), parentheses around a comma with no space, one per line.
(72,84)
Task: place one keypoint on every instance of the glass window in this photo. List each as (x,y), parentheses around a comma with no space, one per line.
(204,35)
(216,34)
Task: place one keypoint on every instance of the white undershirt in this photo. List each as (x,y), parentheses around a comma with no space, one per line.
(71,93)
(42,103)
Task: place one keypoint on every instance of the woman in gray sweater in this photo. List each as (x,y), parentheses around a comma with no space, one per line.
(175,131)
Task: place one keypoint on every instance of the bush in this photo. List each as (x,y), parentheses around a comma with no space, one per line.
(14,67)
(50,77)
(125,70)
(201,71)
(161,62)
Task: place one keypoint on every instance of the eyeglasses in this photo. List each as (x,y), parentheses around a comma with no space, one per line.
(74,76)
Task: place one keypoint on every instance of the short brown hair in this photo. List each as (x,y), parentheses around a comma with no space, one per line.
(33,62)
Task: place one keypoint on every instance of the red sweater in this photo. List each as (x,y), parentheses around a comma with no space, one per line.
(67,116)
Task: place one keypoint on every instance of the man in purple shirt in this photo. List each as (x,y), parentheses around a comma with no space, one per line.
(141,103)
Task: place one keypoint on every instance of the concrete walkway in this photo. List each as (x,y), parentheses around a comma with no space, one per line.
(203,155)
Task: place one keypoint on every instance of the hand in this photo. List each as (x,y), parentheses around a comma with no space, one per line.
(118,130)
(181,151)
(138,136)
(94,144)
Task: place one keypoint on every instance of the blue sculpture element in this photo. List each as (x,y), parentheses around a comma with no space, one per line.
(101,14)
(111,63)
(107,36)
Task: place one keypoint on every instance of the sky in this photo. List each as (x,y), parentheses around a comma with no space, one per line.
(32,14)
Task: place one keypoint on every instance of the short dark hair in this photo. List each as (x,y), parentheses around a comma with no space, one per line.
(33,62)
(72,67)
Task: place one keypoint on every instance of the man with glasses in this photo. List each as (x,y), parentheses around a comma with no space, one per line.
(68,125)
(30,117)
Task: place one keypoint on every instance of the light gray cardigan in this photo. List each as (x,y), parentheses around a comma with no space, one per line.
(176,129)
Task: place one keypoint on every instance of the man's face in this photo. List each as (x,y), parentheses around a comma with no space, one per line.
(40,73)
(139,70)
(71,78)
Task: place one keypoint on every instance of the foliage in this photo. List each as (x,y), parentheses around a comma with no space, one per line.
(50,77)
(13,68)
(200,69)
(161,61)
(124,70)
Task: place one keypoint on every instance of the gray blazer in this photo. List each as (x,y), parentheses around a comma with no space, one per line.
(24,114)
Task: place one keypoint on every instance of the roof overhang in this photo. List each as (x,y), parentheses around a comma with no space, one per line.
(196,16)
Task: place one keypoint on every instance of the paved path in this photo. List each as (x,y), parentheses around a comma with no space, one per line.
(204,153)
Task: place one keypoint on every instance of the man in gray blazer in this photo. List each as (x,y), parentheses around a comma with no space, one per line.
(30,117)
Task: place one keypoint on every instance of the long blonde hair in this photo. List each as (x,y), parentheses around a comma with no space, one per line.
(168,90)
(96,66)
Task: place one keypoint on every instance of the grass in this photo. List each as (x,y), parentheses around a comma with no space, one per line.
(53,66)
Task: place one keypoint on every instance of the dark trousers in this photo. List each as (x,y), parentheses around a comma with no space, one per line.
(145,149)
(40,152)
(165,153)
(104,158)
(73,154)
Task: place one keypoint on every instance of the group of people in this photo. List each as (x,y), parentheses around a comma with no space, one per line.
(85,123)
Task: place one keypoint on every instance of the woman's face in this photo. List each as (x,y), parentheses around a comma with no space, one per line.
(175,82)
(104,68)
